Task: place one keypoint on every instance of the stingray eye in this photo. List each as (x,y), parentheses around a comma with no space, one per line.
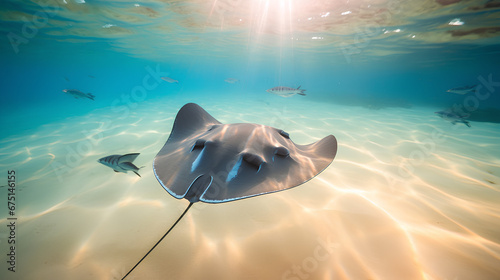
(199,145)
(281,151)
(213,127)
(253,160)
(284,134)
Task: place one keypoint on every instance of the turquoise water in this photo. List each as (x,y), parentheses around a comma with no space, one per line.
(374,73)
(385,53)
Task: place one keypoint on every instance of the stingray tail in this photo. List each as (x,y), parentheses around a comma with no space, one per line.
(154,246)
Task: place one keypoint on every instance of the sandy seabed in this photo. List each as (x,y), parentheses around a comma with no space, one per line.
(409,196)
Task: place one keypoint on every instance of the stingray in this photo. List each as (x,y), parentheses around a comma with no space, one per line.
(205,160)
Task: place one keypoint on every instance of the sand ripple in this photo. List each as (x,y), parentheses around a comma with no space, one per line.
(409,196)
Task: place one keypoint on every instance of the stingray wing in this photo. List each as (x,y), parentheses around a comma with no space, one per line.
(169,165)
(190,119)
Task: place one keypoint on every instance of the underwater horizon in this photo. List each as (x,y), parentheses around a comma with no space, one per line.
(409,89)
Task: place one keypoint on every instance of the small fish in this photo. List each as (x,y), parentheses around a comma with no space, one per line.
(90,76)
(169,80)
(286,91)
(66,78)
(121,163)
(463,90)
(453,118)
(78,94)
(231,80)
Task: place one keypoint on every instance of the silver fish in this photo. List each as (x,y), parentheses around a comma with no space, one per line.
(286,91)
(231,80)
(78,94)
(463,90)
(121,163)
(452,117)
(169,80)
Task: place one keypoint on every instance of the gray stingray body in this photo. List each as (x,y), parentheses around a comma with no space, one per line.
(205,160)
